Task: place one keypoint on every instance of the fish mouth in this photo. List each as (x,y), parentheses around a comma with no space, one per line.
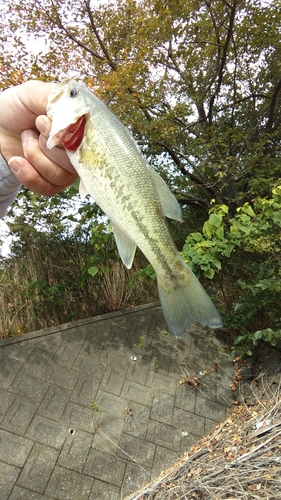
(70,137)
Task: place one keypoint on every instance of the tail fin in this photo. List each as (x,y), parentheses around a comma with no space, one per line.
(186,301)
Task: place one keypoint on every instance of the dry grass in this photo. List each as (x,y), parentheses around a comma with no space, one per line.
(64,295)
(240,459)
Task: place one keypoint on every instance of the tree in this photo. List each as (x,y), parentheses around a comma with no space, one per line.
(198,82)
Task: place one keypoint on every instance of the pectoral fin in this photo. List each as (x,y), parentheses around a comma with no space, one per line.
(82,190)
(126,247)
(169,203)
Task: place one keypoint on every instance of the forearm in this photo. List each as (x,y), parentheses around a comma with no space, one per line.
(9,186)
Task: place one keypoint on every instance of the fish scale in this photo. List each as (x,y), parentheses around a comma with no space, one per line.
(135,199)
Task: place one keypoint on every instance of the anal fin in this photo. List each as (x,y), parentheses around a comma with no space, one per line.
(126,247)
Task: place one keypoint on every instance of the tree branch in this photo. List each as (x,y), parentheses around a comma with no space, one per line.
(60,25)
(100,41)
(223,58)
(273,105)
(198,179)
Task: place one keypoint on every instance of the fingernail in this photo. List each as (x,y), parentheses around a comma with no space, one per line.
(14,165)
(41,125)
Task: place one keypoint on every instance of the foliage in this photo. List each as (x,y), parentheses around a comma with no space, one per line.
(55,276)
(198,84)
(246,249)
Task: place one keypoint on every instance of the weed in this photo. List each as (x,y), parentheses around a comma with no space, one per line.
(95,407)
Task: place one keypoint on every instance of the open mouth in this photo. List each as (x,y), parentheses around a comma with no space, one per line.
(72,136)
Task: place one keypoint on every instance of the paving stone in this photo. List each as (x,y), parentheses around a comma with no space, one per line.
(98,332)
(90,366)
(47,432)
(14,449)
(61,376)
(142,316)
(175,369)
(66,354)
(105,467)
(208,388)
(9,368)
(163,435)
(118,336)
(75,450)
(162,342)
(20,415)
(108,433)
(24,494)
(29,386)
(210,409)
(104,491)
(94,343)
(54,402)
(76,334)
(136,450)
(124,320)
(138,370)
(200,348)
(49,343)
(120,359)
(38,361)
(112,404)
(224,393)
(210,425)
(160,362)
(78,417)
(113,380)
(38,468)
(85,390)
(185,397)
(6,399)
(162,408)
(19,351)
(8,477)
(135,477)
(187,421)
(50,380)
(136,424)
(161,382)
(188,441)
(138,330)
(66,484)
(137,393)
(163,459)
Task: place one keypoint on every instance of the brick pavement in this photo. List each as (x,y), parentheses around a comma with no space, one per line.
(81,419)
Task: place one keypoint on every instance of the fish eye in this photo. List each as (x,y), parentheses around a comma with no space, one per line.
(73,92)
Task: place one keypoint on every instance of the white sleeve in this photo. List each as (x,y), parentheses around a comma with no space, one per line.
(9,186)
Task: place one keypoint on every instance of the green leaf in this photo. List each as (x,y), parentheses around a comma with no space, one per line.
(247,209)
(215,220)
(93,270)
(220,233)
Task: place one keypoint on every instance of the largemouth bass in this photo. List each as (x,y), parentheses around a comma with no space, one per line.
(132,195)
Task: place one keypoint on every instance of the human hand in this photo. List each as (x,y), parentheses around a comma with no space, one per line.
(24,130)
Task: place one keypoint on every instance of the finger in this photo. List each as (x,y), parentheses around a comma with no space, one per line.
(43,124)
(10,144)
(32,179)
(45,165)
(22,104)
(56,154)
